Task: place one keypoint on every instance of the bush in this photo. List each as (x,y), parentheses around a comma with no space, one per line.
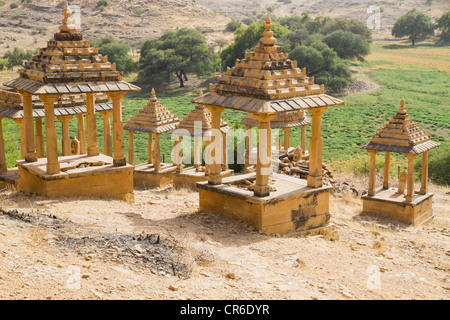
(3,63)
(102,3)
(347,44)
(13,5)
(2,3)
(233,24)
(16,56)
(323,63)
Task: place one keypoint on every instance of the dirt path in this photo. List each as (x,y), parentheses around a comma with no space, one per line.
(161,247)
(362,84)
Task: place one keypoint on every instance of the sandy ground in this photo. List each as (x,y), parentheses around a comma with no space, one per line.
(78,248)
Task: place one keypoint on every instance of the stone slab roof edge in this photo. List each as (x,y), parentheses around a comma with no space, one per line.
(12,113)
(417,149)
(39,88)
(253,105)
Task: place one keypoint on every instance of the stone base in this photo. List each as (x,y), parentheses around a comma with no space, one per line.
(387,203)
(189,177)
(9,179)
(293,207)
(93,181)
(145,175)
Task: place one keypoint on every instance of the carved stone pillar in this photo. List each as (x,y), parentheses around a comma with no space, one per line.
(81,135)
(66,148)
(130,147)
(107,138)
(91,126)
(264,156)
(30,148)
(118,140)
(51,140)
(39,138)
(372,172)
(424,178)
(215,167)
(315,146)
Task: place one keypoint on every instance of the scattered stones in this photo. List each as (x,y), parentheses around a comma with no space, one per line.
(231,276)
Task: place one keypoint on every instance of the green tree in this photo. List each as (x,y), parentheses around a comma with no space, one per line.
(233,25)
(414,24)
(347,44)
(245,39)
(323,63)
(17,56)
(443,24)
(182,52)
(350,25)
(117,51)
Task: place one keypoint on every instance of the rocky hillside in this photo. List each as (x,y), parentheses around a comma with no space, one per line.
(30,25)
(390,10)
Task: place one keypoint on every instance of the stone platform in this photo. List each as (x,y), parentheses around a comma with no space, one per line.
(9,179)
(145,175)
(80,176)
(189,177)
(387,203)
(293,207)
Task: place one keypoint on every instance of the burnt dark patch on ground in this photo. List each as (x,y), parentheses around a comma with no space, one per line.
(161,254)
(38,219)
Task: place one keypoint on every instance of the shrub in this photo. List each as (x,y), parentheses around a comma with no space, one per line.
(102,3)
(233,24)
(13,5)
(2,3)
(16,56)
(3,63)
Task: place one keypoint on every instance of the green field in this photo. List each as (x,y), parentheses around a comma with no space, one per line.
(419,74)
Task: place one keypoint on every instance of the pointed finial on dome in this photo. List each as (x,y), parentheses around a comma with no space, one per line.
(268,39)
(201,93)
(67,23)
(153,97)
(402,106)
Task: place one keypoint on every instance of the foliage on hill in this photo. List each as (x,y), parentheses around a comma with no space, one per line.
(16,57)
(320,44)
(443,24)
(177,52)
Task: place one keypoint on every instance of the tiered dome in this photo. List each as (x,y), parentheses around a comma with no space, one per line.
(267,81)
(401,134)
(290,119)
(153,118)
(68,65)
(201,115)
